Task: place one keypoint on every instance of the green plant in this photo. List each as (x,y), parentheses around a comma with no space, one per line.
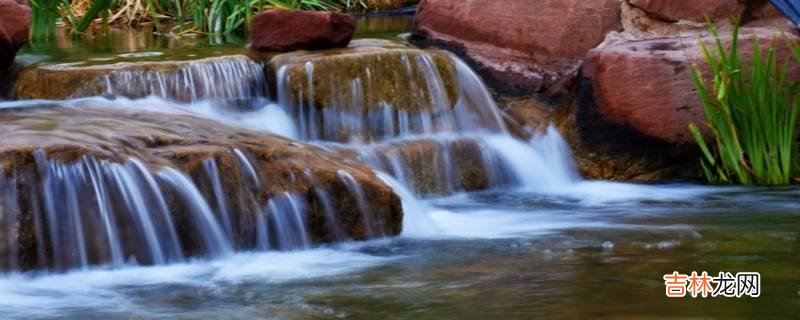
(44,14)
(752,110)
(187,16)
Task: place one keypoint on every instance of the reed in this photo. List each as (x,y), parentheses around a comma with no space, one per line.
(752,110)
(44,14)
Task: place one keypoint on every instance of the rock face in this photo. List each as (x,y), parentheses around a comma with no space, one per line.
(518,46)
(15,23)
(696,10)
(289,30)
(240,174)
(647,85)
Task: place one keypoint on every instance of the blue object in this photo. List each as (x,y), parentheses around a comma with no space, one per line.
(790,8)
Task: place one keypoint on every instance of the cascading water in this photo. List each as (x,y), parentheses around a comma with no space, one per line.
(450,138)
(232,78)
(433,145)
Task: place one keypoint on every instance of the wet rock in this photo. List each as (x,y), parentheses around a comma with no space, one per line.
(15,23)
(647,86)
(225,77)
(185,143)
(696,10)
(518,46)
(289,30)
(335,92)
(434,166)
(386,71)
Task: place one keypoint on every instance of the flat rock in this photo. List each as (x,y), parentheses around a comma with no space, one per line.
(186,143)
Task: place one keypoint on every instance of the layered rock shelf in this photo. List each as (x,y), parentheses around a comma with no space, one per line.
(243,175)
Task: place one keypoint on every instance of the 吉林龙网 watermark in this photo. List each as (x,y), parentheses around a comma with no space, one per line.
(725,284)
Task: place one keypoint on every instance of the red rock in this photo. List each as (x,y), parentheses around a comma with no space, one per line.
(15,20)
(518,46)
(289,30)
(647,86)
(696,10)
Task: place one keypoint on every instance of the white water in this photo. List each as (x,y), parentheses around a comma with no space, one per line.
(105,289)
(541,169)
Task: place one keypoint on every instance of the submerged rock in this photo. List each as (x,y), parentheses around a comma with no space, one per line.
(289,30)
(226,77)
(15,20)
(518,46)
(86,164)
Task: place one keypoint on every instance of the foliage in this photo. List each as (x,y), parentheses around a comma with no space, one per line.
(752,110)
(187,16)
(44,14)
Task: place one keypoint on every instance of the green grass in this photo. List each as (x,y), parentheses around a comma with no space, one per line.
(752,111)
(186,16)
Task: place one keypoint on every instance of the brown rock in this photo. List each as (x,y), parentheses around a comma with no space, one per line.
(289,30)
(184,142)
(363,80)
(15,20)
(518,46)
(188,80)
(646,86)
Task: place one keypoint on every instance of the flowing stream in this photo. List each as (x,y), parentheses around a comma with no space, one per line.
(493,223)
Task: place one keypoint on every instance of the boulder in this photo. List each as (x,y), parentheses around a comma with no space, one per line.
(518,46)
(274,168)
(695,10)
(647,86)
(15,20)
(289,30)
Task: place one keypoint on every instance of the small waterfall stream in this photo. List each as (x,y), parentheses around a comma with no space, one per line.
(448,138)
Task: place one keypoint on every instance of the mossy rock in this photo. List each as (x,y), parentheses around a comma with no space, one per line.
(390,74)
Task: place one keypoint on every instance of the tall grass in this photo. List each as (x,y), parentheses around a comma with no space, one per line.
(44,14)
(752,110)
(186,16)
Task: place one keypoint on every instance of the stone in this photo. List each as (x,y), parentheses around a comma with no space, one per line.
(15,20)
(339,93)
(289,30)
(380,66)
(430,166)
(647,87)
(695,10)
(518,46)
(188,80)
(185,143)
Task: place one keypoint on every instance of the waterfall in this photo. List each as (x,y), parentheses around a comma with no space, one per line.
(443,135)
(223,78)
(437,143)
(91,212)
